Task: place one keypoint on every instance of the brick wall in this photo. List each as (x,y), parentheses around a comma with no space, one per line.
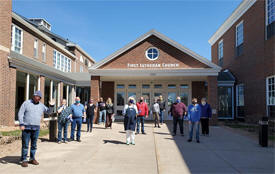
(212,97)
(108,90)
(198,90)
(7,75)
(95,91)
(255,64)
(167,54)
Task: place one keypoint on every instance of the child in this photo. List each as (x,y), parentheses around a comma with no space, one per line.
(130,115)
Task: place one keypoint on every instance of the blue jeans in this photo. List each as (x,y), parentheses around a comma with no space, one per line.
(161,114)
(77,121)
(28,135)
(63,126)
(140,119)
(197,126)
(102,114)
(90,123)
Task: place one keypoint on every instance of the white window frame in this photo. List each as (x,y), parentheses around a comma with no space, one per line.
(267,91)
(35,48)
(220,50)
(81,68)
(146,53)
(59,66)
(236,34)
(13,39)
(237,94)
(44,52)
(81,58)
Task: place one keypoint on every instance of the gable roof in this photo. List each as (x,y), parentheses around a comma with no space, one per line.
(162,37)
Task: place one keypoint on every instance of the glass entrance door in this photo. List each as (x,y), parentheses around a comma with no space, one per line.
(225,95)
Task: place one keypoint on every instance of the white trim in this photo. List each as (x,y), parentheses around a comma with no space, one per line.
(3,48)
(165,39)
(155,72)
(35,44)
(44,47)
(237,13)
(58,94)
(236,33)
(27,86)
(267,90)
(67,94)
(237,93)
(51,89)
(146,53)
(13,38)
(37,31)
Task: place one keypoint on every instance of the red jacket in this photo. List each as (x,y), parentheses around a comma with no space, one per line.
(142,109)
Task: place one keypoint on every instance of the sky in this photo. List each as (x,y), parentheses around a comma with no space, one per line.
(102,27)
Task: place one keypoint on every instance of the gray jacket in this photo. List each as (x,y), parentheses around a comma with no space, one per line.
(155,108)
(30,114)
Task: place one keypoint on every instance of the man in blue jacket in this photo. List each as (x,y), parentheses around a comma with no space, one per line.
(206,113)
(194,114)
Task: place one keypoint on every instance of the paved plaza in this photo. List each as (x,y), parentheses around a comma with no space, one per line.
(105,151)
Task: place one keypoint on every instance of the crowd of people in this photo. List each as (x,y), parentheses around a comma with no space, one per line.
(134,113)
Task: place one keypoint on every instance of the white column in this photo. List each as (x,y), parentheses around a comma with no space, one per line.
(67,94)
(51,90)
(58,94)
(73,94)
(38,83)
(27,86)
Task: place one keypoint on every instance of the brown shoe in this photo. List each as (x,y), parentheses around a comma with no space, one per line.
(34,162)
(24,164)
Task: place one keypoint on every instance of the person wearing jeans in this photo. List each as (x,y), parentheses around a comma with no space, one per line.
(29,117)
(78,112)
(63,121)
(102,110)
(162,107)
(194,114)
(142,112)
(206,113)
(178,110)
(90,112)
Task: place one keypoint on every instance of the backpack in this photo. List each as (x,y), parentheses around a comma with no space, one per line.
(63,116)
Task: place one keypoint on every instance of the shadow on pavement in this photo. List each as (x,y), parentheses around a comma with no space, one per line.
(113,142)
(10,159)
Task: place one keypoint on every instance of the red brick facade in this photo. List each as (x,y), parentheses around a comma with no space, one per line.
(95,91)
(255,64)
(167,54)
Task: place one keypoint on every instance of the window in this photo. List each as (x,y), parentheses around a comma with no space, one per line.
(145,86)
(35,48)
(44,52)
(171,86)
(240,95)
(157,86)
(89,64)
(131,86)
(61,62)
(81,68)
(152,53)
(184,86)
(270,18)
(240,100)
(17,39)
(271,90)
(86,62)
(239,39)
(120,97)
(220,52)
(81,58)
(120,86)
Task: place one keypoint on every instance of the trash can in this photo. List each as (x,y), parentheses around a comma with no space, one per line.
(263,132)
(53,128)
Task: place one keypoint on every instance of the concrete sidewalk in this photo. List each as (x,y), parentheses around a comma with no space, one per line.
(105,151)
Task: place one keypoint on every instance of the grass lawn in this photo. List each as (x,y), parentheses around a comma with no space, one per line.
(17,133)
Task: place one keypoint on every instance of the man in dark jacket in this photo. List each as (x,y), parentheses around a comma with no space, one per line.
(178,110)
(206,113)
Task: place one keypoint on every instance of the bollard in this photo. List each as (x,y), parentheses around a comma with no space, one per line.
(263,132)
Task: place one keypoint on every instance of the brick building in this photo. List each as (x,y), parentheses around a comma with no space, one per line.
(244,47)
(34,58)
(154,65)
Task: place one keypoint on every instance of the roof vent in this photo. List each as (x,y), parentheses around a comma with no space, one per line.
(41,22)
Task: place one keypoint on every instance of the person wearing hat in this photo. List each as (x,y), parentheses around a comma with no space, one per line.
(29,115)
